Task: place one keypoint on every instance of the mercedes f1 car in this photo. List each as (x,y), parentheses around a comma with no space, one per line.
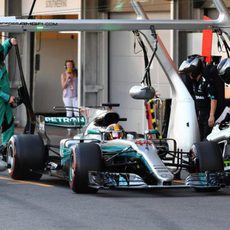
(96,158)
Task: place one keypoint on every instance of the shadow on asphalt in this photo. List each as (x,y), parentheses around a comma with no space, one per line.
(130,193)
(169,193)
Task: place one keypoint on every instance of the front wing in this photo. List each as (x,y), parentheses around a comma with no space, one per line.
(132,181)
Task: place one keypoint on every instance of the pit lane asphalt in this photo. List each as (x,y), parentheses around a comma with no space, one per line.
(50,204)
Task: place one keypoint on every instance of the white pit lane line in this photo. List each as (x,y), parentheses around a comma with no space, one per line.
(12,181)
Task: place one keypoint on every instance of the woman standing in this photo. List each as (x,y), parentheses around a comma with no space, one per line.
(69,84)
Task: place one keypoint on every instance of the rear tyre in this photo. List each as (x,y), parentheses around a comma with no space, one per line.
(26,157)
(208,158)
(86,157)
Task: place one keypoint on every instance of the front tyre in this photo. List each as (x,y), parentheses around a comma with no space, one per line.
(208,157)
(207,160)
(26,157)
(86,157)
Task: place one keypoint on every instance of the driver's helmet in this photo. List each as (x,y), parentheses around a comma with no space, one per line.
(224,70)
(194,64)
(115,131)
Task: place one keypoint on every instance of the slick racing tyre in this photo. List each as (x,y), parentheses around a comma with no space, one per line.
(86,157)
(26,157)
(207,158)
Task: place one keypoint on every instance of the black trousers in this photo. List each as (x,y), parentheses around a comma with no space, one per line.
(204,128)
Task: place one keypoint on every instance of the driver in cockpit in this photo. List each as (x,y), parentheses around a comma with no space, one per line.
(114,131)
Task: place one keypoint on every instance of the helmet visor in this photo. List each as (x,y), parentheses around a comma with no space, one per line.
(189,65)
(116,134)
(184,66)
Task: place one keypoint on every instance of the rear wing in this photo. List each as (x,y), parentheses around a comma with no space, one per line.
(77,122)
(58,119)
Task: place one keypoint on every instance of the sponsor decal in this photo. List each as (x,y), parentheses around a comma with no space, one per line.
(143,142)
(65,121)
(200,97)
(27,23)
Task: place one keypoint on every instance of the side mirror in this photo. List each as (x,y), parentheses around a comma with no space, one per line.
(142,92)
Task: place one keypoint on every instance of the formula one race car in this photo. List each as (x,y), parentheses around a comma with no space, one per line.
(106,156)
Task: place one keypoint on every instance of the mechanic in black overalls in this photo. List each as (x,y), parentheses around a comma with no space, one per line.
(203,93)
